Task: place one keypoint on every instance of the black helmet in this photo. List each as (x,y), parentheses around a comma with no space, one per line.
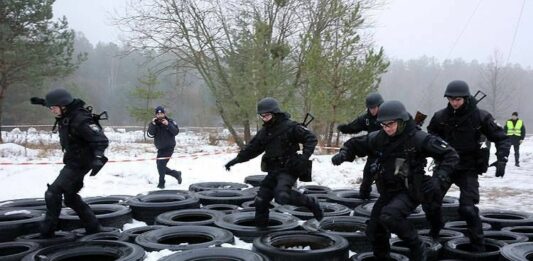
(58,97)
(457,89)
(268,104)
(392,110)
(373,99)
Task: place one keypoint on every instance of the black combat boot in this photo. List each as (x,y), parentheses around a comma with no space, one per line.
(161,185)
(418,249)
(314,206)
(176,174)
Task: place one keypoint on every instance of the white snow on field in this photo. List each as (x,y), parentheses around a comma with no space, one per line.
(200,162)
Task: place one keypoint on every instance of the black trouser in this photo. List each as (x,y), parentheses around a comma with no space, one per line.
(277,185)
(389,214)
(368,177)
(67,185)
(467,181)
(515,141)
(162,168)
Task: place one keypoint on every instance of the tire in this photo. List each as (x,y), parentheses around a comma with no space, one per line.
(250,205)
(15,222)
(147,207)
(351,228)
(202,186)
(234,197)
(302,246)
(518,251)
(399,246)
(349,198)
(80,232)
(113,199)
(417,219)
(59,238)
(216,253)
(100,250)
(369,256)
(111,236)
(321,197)
(224,208)
(314,189)
(330,210)
(242,224)
(183,238)
(15,251)
(166,191)
(108,215)
(506,218)
(524,230)
(254,180)
(189,217)
(444,234)
(505,236)
(132,233)
(461,226)
(27,203)
(459,249)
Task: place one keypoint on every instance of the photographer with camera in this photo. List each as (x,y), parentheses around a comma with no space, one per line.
(164,130)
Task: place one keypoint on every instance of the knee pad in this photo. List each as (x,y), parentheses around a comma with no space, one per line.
(468,212)
(283,197)
(259,201)
(51,195)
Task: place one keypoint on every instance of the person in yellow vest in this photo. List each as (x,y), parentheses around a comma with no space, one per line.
(516,130)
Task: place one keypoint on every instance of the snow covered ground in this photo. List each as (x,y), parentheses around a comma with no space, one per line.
(201,162)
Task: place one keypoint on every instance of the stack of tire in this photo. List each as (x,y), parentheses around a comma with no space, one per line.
(198,222)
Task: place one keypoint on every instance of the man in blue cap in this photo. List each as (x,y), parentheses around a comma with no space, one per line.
(163,130)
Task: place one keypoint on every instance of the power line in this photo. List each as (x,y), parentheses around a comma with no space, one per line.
(515,31)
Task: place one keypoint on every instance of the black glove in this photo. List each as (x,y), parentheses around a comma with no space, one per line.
(231,163)
(338,158)
(500,168)
(38,101)
(443,176)
(97,164)
(432,186)
(343,128)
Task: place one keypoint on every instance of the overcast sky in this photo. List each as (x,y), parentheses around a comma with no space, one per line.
(405,28)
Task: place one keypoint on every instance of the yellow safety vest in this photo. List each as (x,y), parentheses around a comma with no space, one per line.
(514,130)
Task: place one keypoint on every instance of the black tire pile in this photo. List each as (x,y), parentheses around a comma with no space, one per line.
(198,222)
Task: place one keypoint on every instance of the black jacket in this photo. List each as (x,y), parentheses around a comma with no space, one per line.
(279,139)
(462,129)
(81,137)
(401,158)
(164,135)
(365,122)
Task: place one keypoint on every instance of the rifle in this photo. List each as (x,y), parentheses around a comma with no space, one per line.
(38,101)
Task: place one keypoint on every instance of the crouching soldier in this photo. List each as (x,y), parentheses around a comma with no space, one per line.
(83,142)
(279,139)
(400,149)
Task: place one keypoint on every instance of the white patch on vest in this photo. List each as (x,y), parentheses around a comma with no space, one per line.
(94,127)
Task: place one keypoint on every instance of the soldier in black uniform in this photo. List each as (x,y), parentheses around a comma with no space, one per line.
(83,142)
(163,129)
(462,125)
(400,149)
(279,139)
(365,122)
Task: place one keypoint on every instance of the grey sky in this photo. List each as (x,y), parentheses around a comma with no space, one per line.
(405,28)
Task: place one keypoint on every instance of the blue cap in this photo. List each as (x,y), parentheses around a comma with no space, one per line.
(159,109)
